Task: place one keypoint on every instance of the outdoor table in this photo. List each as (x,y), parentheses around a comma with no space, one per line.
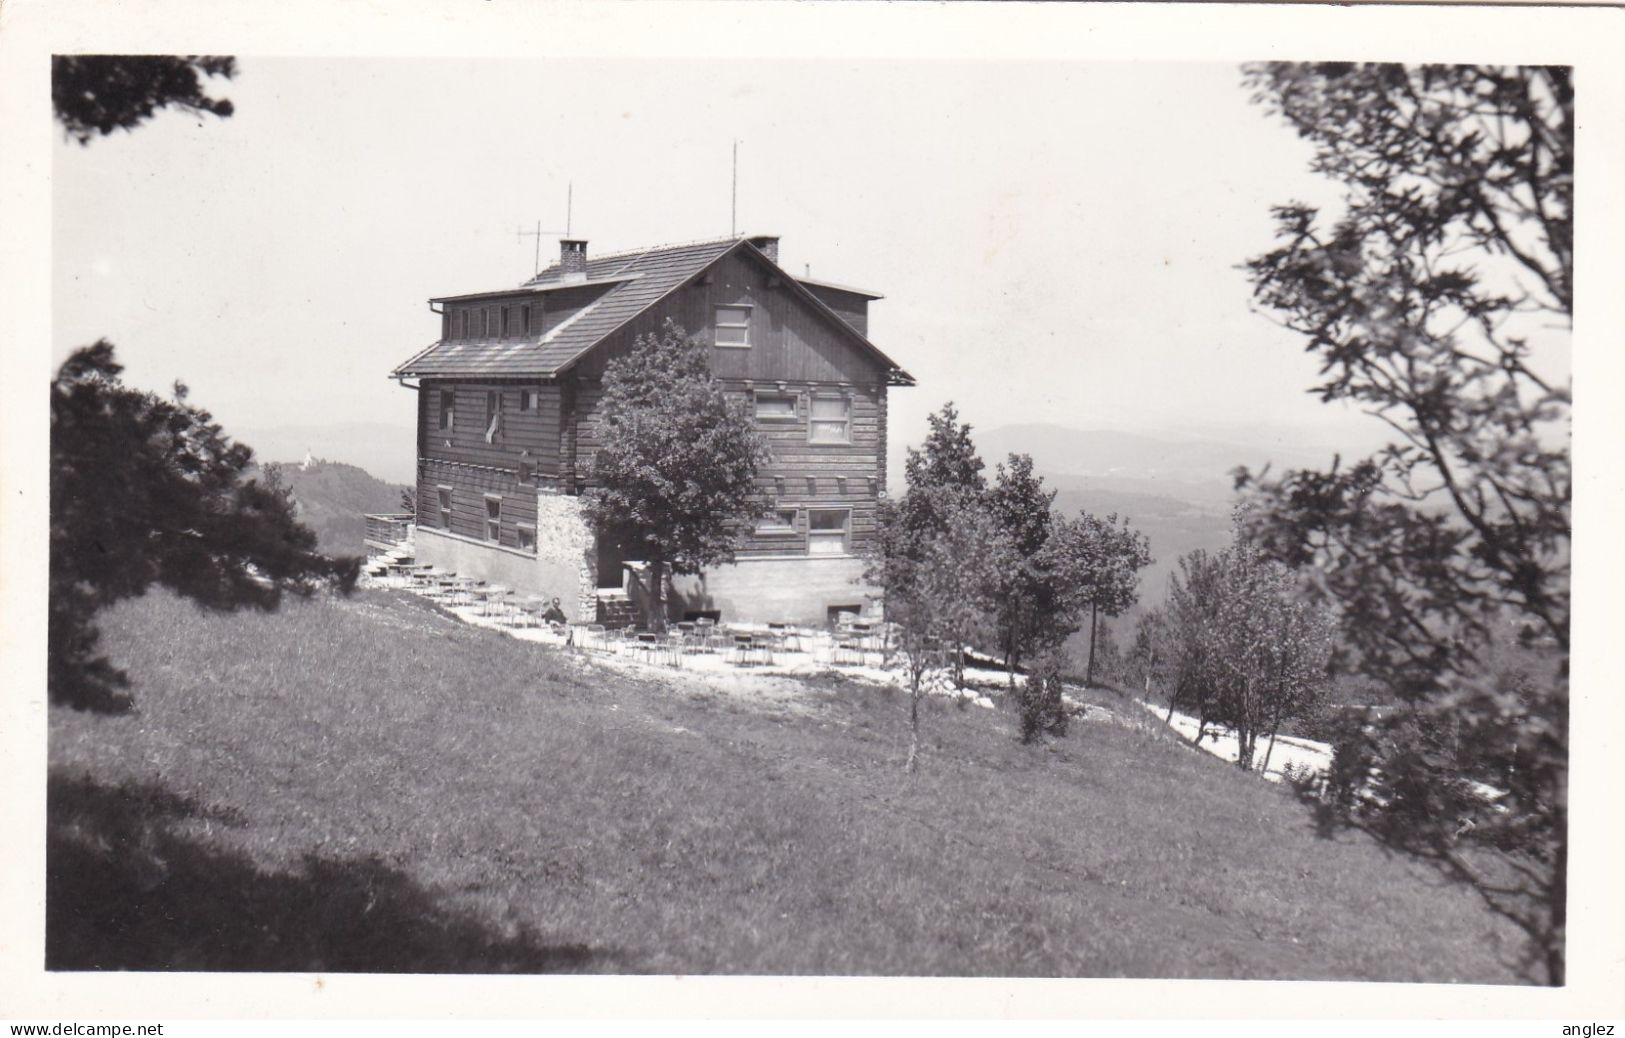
(783,635)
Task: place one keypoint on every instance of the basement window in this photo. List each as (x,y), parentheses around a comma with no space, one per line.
(526,536)
(827,530)
(733,326)
(493,518)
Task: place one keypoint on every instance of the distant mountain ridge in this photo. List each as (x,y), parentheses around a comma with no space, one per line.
(1192,469)
(1177,490)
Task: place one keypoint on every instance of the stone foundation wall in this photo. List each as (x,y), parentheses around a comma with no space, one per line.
(480,561)
(567,554)
(796,590)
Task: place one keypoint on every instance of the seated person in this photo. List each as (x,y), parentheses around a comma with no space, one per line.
(554,613)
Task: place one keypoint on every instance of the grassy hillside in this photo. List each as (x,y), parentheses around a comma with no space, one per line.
(369,785)
(332,498)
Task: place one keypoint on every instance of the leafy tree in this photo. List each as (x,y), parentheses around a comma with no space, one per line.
(943,475)
(1271,652)
(1246,649)
(1148,659)
(150,491)
(675,479)
(1190,623)
(1028,600)
(938,584)
(1042,708)
(1452,254)
(948,457)
(99,93)
(1105,557)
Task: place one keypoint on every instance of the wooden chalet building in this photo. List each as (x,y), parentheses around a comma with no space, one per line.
(507,403)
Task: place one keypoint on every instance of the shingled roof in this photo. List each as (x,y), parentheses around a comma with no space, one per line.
(632,282)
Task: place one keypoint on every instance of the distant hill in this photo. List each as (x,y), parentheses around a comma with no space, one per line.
(333,496)
(1192,469)
(389,451)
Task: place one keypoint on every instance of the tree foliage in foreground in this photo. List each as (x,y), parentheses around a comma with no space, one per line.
(1421,298)
(98,93)
(675,480)
(150,491)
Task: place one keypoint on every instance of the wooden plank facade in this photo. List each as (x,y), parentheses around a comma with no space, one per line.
(488,446)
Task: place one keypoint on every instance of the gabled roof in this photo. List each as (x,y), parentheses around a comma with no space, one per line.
(632,282)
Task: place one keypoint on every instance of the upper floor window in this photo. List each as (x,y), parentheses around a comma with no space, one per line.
(831,420)
(776,407)
(448,409)
(733,325)
(507,321)
(493,416)
(462,324)
(524,320)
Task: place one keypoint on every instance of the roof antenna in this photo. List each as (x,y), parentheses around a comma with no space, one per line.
(569,203)
(733,216)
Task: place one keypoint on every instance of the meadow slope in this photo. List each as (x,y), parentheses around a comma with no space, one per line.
(365,784)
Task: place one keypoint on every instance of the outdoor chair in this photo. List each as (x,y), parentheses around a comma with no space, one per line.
(846,650)
(751,649)
(785,637)
(644,645)
(592,636)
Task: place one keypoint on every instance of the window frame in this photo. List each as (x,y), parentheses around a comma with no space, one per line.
(717,325)
(777,419)
(493,524)
(815,535)
(448,409)
(791,528)
(525,474)
(493,409)
(813,419)
(520,532)
(444,496)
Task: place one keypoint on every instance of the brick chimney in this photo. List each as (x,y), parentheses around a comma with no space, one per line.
(573,257)
(769,246)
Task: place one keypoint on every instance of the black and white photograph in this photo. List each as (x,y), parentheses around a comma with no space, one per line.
(718,501)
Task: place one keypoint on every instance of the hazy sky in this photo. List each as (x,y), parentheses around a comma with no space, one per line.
(1056,242)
